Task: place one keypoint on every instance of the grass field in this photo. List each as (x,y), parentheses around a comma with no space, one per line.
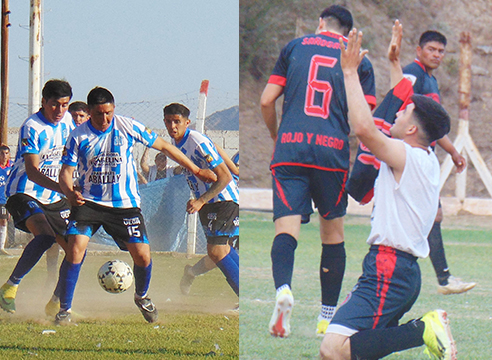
(468,250)
(196,326)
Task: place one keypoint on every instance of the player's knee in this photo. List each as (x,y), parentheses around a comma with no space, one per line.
(217,252)
(334,347)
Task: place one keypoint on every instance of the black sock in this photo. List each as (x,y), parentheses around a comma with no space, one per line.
(437,255)
(331,270)
(283,250)
(378,343)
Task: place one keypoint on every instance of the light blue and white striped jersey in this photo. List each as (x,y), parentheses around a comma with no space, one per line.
(201,150)
(38,136)
(104,160)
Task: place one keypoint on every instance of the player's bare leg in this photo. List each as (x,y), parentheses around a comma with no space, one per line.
(332,269)
(287,229)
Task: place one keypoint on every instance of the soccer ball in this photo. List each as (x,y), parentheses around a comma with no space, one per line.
(115,276)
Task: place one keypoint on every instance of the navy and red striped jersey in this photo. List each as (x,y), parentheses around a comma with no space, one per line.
(314,128)
(366,167)
(422,82)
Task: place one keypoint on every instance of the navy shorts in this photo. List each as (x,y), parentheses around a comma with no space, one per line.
(123,225)
(295,187)
(220,222)
(388,288)
(22,206)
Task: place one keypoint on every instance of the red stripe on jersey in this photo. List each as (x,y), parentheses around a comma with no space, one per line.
(308,166)
(277,80)
(367,197)
(371,100)
(383,126)
(385,266)
(280,192)
(403,90)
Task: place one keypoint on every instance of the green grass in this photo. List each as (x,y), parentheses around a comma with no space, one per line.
(468,253)
(196,326)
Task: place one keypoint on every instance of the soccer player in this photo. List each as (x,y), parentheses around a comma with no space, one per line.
(5,167)
(205,264)
(430,53)
(406,197)
(311,157)
(102,151)
(34,195)
(217,204)
(79,112)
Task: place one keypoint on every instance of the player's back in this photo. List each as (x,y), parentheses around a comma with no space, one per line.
(314,127)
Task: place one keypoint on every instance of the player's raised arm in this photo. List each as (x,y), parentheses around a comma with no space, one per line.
(230,164)
(174,153)
(388,150)
(270,95)
(396,72)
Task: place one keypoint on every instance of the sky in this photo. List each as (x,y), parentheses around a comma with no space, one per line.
(141,51)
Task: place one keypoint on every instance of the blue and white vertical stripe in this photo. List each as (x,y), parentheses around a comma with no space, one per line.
(39,136)
(201,150)
(104,160)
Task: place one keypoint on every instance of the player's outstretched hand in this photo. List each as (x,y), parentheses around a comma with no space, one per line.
(395,44)
(459,161)
(351,56)
(206,175)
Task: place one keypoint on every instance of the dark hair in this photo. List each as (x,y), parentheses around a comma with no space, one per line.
(431,116)
(78,106)
(56,89)
(177,109)
(99,96)
(4,147)
(432,35)
(341,14)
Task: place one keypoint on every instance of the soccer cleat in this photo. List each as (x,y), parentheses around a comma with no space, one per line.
(7,297)
(437,336)
(280,322)
(455,286)
(186,280)
(63,317)
(321,327)
(52,308)
(147,308)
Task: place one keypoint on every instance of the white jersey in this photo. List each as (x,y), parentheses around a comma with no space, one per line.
(39,136)
(201,150)
(404,212)
(104,160)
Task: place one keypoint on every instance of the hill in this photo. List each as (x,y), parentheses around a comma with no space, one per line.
(227,119)
(265,27)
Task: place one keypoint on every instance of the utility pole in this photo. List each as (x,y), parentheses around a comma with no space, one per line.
(35,39)
(4,73)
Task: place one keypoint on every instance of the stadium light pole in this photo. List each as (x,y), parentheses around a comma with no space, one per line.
(4,73)
(35,38)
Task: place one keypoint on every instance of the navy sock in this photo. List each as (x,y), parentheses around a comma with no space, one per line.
(437,254)
(283,251)
(331,270)
(69,274)
(30,256)
(58,287)
(142,279)
(378,343)
(231,270)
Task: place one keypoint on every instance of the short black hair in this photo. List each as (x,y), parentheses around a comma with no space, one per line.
(99,96)
(4,147)
(78,106)
(431,116)
(341,14)
(177,109)
(56,89)
(432,35)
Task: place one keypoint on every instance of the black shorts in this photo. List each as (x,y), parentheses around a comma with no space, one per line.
(3,212)
(123,225)
(220,221)
(388,288)
(22,207)
(296,187)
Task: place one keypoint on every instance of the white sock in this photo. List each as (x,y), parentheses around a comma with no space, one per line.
(327,312)
(3,237)
(285,286)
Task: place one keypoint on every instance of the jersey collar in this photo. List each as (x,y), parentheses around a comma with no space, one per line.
(46,121)
(421,65)
(6,165)
(99,132)
(332,34)
(185,137)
